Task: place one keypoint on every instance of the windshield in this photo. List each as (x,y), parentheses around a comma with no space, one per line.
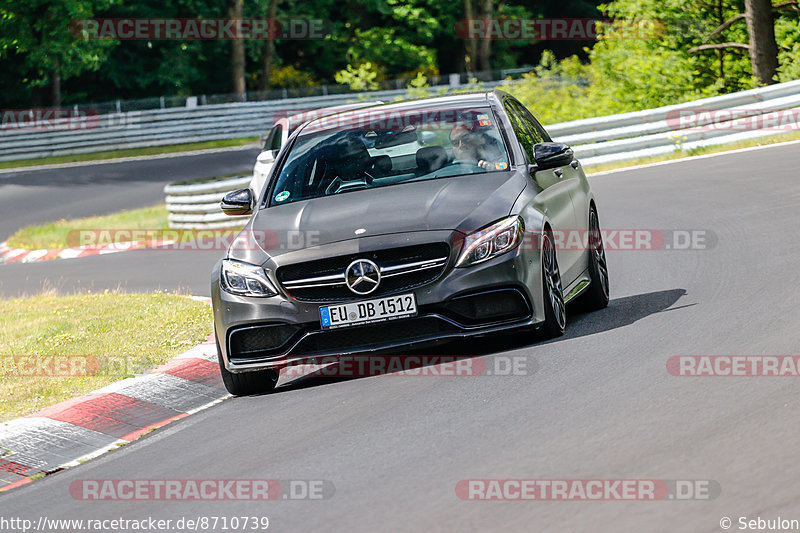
(383,148)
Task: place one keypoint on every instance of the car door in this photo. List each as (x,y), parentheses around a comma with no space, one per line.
(566,178)
(555,199)
(573,173)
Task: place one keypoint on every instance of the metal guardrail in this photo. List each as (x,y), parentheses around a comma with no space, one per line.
(595,140)
(196,205)
(464,79)
(136,129)
(659,131)
(88,133)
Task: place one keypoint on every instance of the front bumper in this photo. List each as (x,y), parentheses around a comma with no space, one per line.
(512,280)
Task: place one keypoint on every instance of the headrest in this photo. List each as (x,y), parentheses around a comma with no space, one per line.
(381,164)
(431,158)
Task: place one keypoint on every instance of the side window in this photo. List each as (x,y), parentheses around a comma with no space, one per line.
(520,131)
(536,129)
(275,138)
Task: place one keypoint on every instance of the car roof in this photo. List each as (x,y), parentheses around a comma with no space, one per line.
(454,101)
(294,121)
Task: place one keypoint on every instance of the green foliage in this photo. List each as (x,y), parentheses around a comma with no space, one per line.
(419,81)
(40,31)
(787,33)
(417,88)
(677,26)
(290,77)
(393,52)
(642,61)
(360,78)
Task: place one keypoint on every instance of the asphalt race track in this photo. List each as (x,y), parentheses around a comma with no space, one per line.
(597,403)
(134,271)
(35,196)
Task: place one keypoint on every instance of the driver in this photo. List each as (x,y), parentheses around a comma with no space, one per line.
(474,146)
(352,157)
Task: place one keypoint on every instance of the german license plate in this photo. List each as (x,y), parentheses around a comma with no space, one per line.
(368,311)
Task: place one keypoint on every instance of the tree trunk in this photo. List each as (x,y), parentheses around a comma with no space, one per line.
(55,87)
(485,45)
(763,47)
(237,53)
(721,53)
(470,45)
(269,49)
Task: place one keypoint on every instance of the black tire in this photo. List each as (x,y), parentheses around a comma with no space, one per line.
(247,383)
(596,296)
(555,311)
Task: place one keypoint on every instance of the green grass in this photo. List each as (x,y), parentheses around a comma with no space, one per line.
(124,334)
(127,152)
(58,234)
(680,154)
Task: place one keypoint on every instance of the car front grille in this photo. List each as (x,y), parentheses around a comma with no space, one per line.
(401,269)
(370,336)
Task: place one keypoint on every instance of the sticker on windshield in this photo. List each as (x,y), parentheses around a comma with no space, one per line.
(501,166)
(483,120)
(282,196)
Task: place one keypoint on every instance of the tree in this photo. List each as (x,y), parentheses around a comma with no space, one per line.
(760,17)
(470,45)
(235,9)
(763,47)
(269,48)
(485,45)
(54,47)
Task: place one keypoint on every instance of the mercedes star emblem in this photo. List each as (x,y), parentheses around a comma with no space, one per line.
(362,276)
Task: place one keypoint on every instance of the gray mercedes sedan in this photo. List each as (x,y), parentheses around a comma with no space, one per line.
(402,225)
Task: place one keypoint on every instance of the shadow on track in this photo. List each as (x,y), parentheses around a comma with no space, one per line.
(620,312)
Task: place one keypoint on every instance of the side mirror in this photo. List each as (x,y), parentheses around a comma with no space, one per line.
(237,202)
(552,155)
(267,156)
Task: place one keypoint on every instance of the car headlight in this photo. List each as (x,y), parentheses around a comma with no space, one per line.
(490,242)
(244,279)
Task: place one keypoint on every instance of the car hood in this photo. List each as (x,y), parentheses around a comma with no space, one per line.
(462,203)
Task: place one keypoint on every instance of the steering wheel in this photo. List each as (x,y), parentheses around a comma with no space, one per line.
(466,163)
(337,185)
